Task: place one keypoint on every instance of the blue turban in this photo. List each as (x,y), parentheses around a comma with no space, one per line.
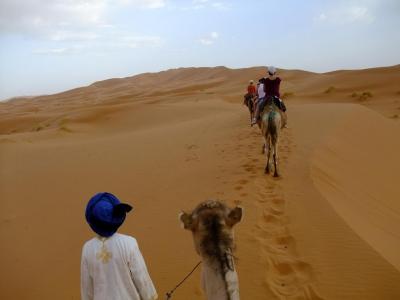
(105,213)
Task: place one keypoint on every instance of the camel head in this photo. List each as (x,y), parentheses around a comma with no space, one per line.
(211,223)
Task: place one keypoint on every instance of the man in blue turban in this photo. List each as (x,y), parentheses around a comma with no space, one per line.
(112,266)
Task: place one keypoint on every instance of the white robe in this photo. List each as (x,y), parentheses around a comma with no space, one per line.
(260,91)
(114,269)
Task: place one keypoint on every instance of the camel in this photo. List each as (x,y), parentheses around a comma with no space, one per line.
(271,124)
(211,223)
(250,101)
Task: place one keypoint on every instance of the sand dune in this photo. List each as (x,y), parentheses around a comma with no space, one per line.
(356,170)
(346,264)
(328,229)
(375,88)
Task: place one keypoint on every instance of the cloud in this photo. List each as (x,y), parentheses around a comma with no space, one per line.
(322,17)
(76,49)
(101,45)
(355,14)
(214,35)
(220,5)
(199,4)
(65,35)
(143,3)
(139,41)
(44,17)
(203,4)
(51,51)
(210,39)
(352,14)
(206,42)
(61,24)
(352,11)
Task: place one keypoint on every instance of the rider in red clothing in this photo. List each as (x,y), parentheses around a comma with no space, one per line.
(251,88)
(251,94)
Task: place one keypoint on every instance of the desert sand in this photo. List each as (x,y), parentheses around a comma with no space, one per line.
(327,229)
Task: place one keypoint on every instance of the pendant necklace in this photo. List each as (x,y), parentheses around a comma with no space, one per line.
(104,255)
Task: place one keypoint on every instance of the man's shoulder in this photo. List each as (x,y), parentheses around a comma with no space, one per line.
(89,242)
(125,238)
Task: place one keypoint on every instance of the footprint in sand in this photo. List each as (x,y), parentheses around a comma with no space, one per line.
(192,155)
(286,276)
(243,181)
(271,219)
(248,168)
(285,243)
(191,147)
(291,280)
(270,188)
(275,212)
(262,200)
(278,204)
(269,231)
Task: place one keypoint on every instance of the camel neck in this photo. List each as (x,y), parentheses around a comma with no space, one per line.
(219,284)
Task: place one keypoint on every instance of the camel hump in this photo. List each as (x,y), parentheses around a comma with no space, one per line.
(272,115)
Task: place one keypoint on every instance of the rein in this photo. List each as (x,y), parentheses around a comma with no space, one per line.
(168,295)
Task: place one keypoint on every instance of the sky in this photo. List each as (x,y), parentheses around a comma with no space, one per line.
(47,46)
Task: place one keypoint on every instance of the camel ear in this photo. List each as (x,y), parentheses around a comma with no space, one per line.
(235,216)
(186,219)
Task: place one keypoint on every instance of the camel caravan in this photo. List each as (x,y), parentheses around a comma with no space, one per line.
(268,111)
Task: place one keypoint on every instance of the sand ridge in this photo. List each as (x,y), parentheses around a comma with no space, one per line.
(376,88)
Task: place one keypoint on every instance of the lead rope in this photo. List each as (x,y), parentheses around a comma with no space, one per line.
(168,295)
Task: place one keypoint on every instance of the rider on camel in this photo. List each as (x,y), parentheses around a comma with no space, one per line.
(249,97)
(251,88)
(271,86)
(260,92)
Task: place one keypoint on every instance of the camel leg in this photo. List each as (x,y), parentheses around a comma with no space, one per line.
(251,112)
(268,153)
(275,157)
